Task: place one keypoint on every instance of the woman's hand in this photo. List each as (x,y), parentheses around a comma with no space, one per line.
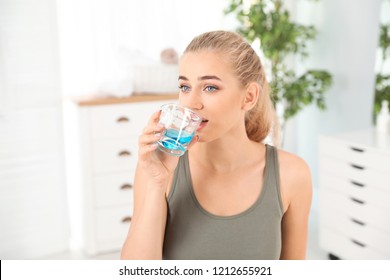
(158,165)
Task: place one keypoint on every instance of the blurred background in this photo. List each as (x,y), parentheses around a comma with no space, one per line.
(78,80)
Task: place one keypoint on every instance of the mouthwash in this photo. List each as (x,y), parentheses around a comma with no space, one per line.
(174,141)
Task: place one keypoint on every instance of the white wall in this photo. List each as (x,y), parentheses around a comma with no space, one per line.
(99,38)
(33,216)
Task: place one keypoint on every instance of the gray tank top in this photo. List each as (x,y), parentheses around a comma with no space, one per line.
(194,233)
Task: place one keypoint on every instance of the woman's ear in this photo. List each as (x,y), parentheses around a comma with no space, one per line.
(251,96)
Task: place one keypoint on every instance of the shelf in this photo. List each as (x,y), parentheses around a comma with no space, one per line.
(136,97)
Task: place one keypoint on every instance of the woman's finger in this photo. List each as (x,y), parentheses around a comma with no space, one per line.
(146,139)
(145,150)
(150,135)
(154,118)
(153,128)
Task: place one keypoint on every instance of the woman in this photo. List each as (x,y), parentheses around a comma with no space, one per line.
(229,196)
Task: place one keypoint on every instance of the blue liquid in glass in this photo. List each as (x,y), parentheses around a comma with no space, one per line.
(172,143)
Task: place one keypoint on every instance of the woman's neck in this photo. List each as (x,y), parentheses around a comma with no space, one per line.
(228,153)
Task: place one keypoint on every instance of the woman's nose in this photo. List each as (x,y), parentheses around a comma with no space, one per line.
(193,101)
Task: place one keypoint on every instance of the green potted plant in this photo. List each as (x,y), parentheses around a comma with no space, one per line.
(382,81)
(280,37)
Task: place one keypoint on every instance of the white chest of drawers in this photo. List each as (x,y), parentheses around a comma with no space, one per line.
(101,154)
(355,195)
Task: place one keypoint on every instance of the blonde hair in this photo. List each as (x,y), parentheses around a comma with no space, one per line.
(261,121)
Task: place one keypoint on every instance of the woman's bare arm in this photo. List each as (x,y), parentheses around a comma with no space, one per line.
(296,218)
(153,173)
(146,234)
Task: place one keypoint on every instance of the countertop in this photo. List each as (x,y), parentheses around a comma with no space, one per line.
(138,97)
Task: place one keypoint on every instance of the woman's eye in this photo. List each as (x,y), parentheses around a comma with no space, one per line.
(210,88)
(184,88)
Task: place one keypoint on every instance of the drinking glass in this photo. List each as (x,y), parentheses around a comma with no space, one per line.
(180,125)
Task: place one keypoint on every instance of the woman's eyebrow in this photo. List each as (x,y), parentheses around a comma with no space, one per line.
(207,77)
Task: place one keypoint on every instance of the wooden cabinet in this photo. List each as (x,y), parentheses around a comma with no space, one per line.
(102,153)
(355,195)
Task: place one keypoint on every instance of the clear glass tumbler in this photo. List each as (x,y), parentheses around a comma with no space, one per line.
(180,125)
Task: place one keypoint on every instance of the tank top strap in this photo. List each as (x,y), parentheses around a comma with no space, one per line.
(181,177)
(272,168)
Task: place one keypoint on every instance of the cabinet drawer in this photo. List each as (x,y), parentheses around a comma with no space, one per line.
(352,207)
(360,173)
(360,232)
(345,247)
(114,189)
(121,120)
(115,155)
(113,223)
(357,189)
(354,153)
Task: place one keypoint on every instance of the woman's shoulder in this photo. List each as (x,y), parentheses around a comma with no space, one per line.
(292,163)
(295,177)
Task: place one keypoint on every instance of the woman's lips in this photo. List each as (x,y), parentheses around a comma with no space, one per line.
(202,124)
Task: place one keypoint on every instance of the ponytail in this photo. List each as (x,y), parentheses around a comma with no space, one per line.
(262,121)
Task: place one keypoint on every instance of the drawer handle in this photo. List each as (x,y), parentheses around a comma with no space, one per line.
(122,120)
(357,200)
(126,186)
(126,219)
(358,243)
(358,222)
(357,184)
(357,150)
(357,166)
(124,154)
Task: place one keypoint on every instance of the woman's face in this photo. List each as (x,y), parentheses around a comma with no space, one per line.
(209,87)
